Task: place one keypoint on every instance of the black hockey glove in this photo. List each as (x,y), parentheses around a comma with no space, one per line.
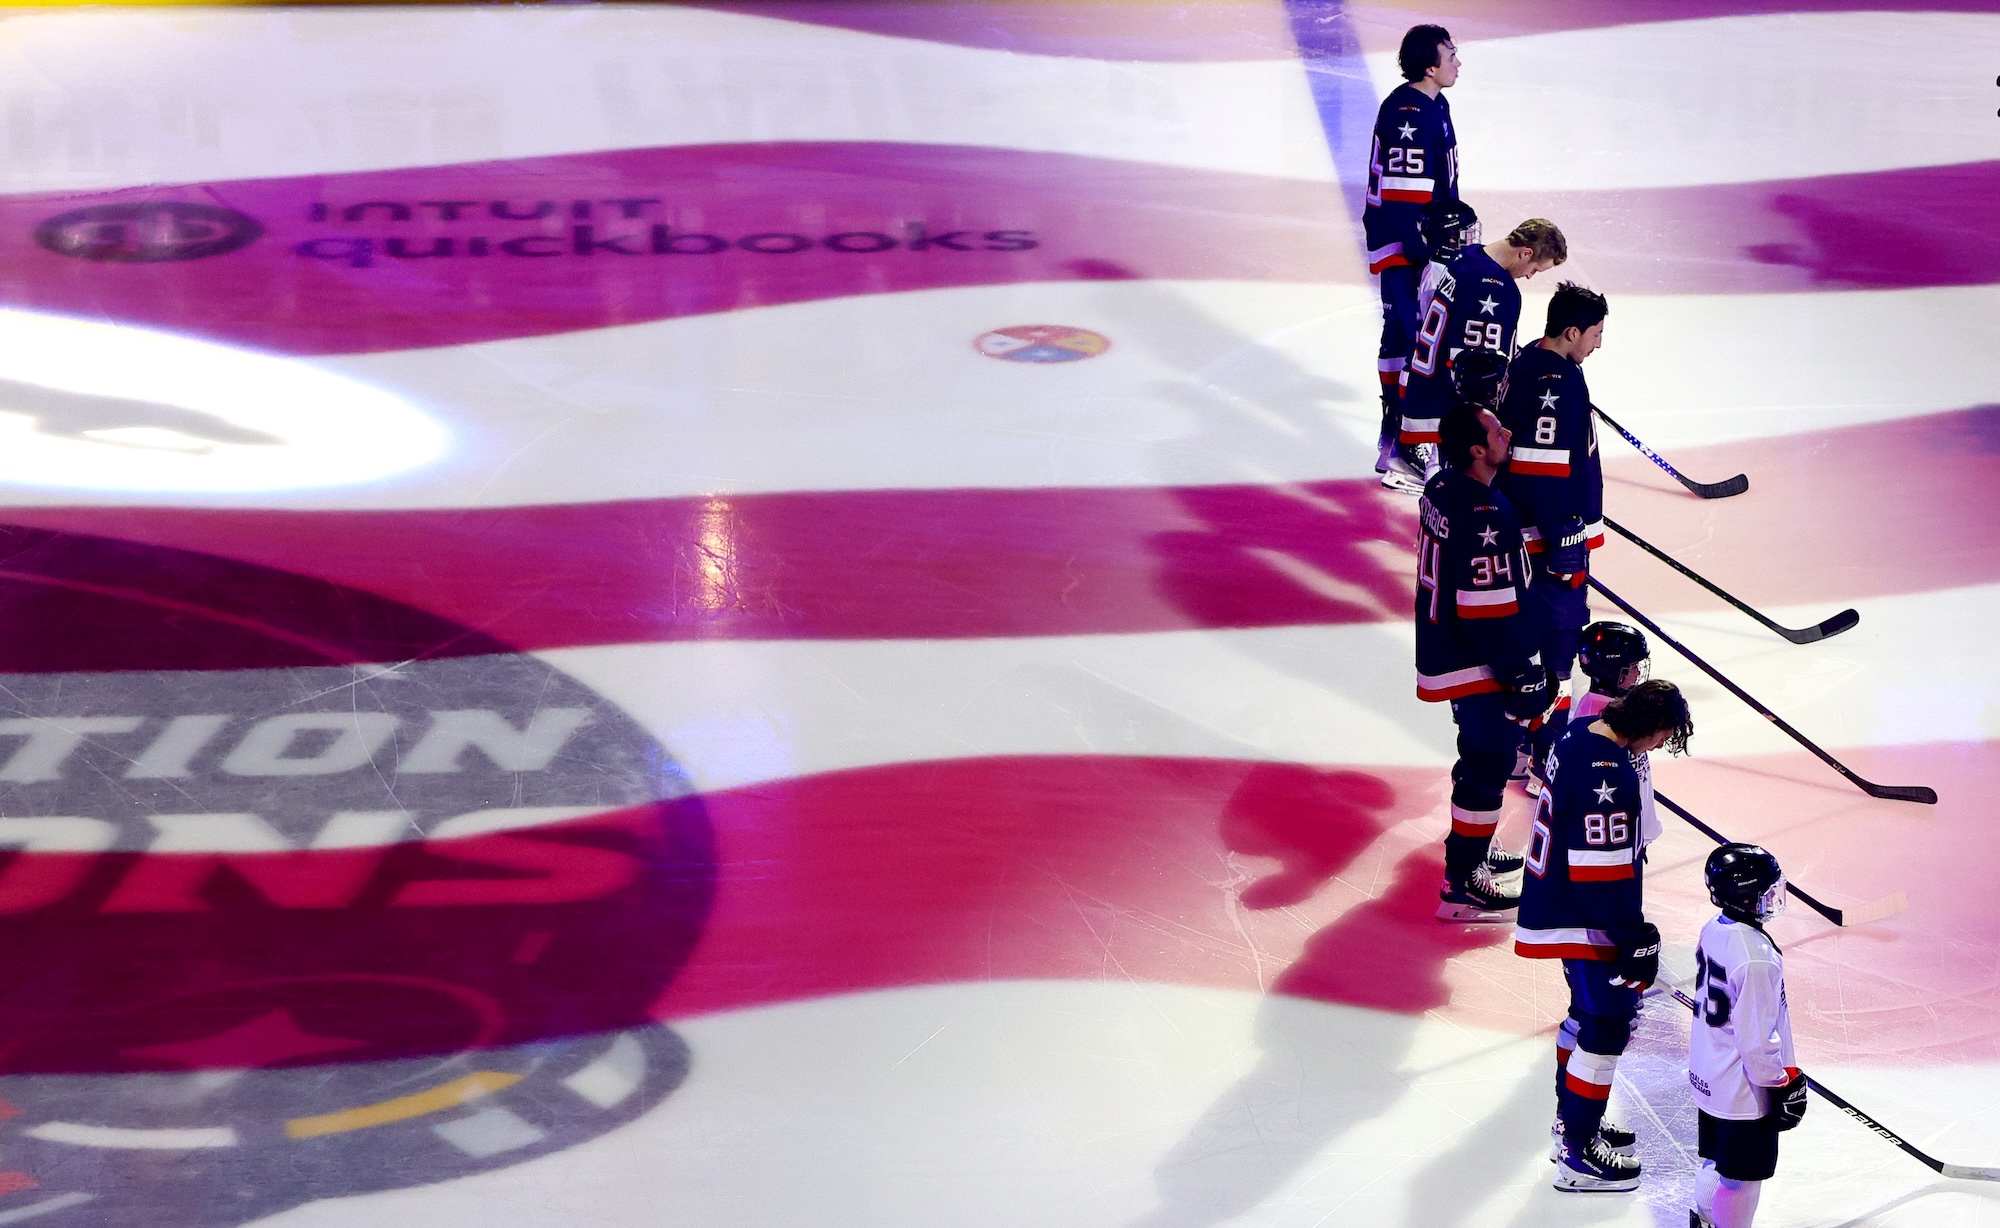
(1417,252)
(1527,702)
(1788,1103)
(1567,555)
(1638,956)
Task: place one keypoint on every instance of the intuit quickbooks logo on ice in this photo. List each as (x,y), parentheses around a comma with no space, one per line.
(617,227)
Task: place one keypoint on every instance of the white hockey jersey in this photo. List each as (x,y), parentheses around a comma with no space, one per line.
(1741,1042)
(1586,709)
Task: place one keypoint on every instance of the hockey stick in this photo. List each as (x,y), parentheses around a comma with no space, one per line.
(1962,1172)
(1707,490)
(1801,635)
(1887,906)
(1899,793)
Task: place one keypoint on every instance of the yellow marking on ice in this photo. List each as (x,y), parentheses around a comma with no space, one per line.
(472,1087)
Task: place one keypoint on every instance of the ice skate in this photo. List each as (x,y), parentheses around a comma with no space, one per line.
(1478,898)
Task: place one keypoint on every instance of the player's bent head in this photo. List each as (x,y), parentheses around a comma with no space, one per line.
(1655,709)
(1460,431)
(1465,427)
(1419,52)
(1544,242)
(1577,307)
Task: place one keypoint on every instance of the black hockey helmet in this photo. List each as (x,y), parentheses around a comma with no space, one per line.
(1614,657)
(1479,379)
(1745,882)
(1448,228)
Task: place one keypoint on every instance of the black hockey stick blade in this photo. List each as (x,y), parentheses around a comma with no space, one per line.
(1707,490)
(1962,1172)
(1797,635)
(1921,794)
(1716,490)
(1846,918)
(1895,793)
(1821,630)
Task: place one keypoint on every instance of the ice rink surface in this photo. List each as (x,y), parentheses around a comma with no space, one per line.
(778,612)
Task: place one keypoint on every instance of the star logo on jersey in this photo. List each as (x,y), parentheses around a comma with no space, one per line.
(1604,792)
(1549,400)
(1486,305)
(1488,535)
(1407,132)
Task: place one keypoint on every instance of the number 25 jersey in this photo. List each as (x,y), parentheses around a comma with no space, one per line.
(1741,1042)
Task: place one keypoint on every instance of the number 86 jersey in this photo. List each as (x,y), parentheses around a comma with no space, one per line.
(1584,878)
(1741,1042)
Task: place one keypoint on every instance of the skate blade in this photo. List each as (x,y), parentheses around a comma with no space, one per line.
(1408,484)
(1568,1182)
(1448,911)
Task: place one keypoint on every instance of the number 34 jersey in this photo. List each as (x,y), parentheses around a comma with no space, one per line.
(1474,305)
(1472,636)
(1741,1042)
(1584,875)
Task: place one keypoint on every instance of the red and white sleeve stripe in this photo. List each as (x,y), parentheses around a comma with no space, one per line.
(1402,187)
(1543,462)
(1600,865)
(1488,603)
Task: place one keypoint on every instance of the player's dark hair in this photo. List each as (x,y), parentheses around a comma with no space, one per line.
(1459,431)
(1574,306)
(1419,52)
(1654,706)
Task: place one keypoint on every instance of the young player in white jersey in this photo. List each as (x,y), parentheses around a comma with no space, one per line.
(1746,1080)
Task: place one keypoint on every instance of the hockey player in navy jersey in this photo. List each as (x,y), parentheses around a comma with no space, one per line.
(1412,166)
(1747,1085)
(1468,305)
(1557,485)
(1473,645)
(1582,902)
(1614,657)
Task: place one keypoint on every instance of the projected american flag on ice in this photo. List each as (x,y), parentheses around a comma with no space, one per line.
(1098,668)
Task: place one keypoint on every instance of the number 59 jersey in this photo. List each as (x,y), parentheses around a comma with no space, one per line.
(1741,1042)
(1584,876)
(1474,305)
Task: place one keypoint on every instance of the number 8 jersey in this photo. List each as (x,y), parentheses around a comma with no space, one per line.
(1584,874)
(1741,1042)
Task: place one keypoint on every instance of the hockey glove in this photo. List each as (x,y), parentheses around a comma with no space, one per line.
(1527,703)
(1417,252)
(1568,555)
(1638,962)
(1788,1103)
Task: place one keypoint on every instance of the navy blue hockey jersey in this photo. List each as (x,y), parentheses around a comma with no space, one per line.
(1585,876)
(1413,162)
(1474,305)
(1471,635)
(1554,472)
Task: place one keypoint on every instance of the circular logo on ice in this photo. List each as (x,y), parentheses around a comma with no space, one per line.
(148,233)
(310,925)
(1042,343)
